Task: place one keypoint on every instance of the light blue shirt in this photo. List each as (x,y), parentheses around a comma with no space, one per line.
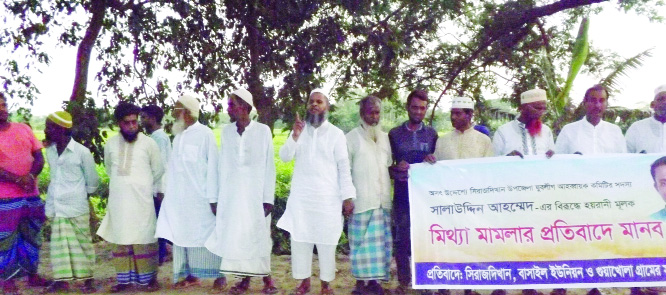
(164,143)
(73,177)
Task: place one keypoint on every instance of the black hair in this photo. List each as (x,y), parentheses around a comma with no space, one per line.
(653,168)
(417,93)
(154,111)
(124,109)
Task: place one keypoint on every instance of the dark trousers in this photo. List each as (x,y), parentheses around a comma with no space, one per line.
(403,246)
(162,250)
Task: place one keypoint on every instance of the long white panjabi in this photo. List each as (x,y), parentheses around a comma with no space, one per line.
(242,235)
(186,218)
(320,182)
(463,145)
(514,136)
(583,137)
(133,169)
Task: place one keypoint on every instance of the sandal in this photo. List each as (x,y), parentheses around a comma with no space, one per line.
(359,288)
(240,287)
(400,290)
(185,283)
(327,291)
(56,287)
(37,281)
(153,286)
(117,288)
(10,288)
(88,287)
(269,289)
(301,290)
(219,286)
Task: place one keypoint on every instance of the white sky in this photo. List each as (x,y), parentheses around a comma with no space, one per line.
(625,34)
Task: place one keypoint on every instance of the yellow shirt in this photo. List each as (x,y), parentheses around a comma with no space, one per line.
(463,145)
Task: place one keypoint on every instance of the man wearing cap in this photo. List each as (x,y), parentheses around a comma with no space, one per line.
(411,142)
(21,209)
(187,216)
(73,179)
(370,239)
(591,135)
(321,190)
(649,135)
(242,235)
(151,121)
(134,165)
(526,135)
(464,141)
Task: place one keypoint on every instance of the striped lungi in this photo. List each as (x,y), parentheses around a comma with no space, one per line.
(21,221)
(72,253)
(370,241)
(195,261)
(135,263)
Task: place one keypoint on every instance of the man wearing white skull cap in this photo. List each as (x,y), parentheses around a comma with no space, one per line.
(464,141)
(649,135)
(526,135)
(187,215)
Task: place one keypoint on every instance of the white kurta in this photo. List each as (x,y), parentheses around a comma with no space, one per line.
(587,139)
(463,145)
(647,135)
(185,217)
(247,181)
(320,182)
(513,136)
(164,143)
(133,170)
(369,162)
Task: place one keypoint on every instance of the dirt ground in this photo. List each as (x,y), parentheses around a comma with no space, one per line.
(343,283)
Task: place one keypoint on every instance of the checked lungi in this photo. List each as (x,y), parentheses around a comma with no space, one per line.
(21,221)
(195,261)
(72,252)
(370,241)
(135,264)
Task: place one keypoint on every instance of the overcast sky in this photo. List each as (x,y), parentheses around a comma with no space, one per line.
(626,34)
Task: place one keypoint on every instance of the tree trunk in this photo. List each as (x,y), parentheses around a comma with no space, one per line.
(262,101)
(98,9)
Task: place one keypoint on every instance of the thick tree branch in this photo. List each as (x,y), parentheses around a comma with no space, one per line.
(98,10)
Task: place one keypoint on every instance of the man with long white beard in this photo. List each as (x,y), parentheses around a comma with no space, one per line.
(321,189)
(526,135)
(187,216)
(134,165)
(370,237)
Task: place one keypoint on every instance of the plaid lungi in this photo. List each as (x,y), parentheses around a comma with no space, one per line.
(135,263)
(370,241)
(21,221)
(195,261)
(72,253)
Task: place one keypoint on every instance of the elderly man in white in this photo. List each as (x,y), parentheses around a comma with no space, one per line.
(187,215)
(591,135)
(649,135)
(370,237)
(321,187)
(242,235)
(526,135)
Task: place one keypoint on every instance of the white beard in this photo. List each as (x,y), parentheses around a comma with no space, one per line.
(371,131)
(178,126)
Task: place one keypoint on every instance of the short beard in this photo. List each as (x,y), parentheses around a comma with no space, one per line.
(129,137)
(315,120)
(178,126)
(371,131)
(534,127)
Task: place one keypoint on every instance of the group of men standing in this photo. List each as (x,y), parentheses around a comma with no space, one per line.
(215,206)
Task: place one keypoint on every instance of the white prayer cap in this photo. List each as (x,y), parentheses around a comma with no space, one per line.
(245,95)
(533,95)
(462,103)
(318,90)
(660,89)
(191,103)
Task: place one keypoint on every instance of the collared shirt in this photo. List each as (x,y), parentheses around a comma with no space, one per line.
(514,136)
(369,167)
(17,144)
(192,184)
(583,137)
(247,181)
(647,135)
(463,145)
(320,182)
(73,177)
(413,147)
(164,143)
(133,168)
